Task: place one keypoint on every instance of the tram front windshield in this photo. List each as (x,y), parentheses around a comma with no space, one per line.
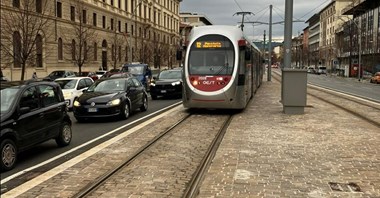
(211,55)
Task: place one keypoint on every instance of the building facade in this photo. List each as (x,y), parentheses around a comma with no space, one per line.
(359,38)
(313,45)
(86,34)
(329,22)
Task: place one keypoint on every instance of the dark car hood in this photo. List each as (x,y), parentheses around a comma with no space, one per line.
(98,97)
(166,81)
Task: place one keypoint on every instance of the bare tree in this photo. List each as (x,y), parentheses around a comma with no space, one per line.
(82,34)
(24,26)
(118,43)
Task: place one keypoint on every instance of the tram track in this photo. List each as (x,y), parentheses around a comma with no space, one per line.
(362,108)
(197,154)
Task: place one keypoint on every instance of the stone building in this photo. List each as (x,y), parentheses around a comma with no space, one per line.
(93,34)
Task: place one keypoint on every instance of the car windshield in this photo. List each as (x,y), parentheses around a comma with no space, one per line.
(170,75)
(8,96)
(67,84)
(111,85)
(136,70)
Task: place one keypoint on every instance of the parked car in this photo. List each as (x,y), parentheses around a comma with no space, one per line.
(321,70)
(110,97)
(2,77)
(89,74)
(73,87)
(167,83)
(375,78)
(141,71)
(100,73)
(311,70)
(59,74)
(32,112)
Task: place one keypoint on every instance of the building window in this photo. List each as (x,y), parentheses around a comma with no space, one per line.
(59,9)
(111,2)
(126,5)
(119,26)
(84,16)
(73,50)
(94,19)
(39,6)
(72,13)
(95,51)
(17,49)
(39,51)
(119,3)
(132,29)
(16,3)
(111,24)
(60,49)
(126,27)
(104,21)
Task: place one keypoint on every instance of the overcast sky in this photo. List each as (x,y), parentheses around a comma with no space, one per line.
(220,12)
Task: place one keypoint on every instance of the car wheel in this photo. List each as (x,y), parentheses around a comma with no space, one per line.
(144,106)
(124,114)
(154,97)
(65,135)
(8,154)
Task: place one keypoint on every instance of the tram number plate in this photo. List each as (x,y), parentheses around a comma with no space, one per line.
(92,110)
(163,91)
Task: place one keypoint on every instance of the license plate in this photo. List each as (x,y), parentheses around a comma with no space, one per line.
(92,110)
(163,91)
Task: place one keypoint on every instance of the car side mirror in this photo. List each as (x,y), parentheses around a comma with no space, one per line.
(24,110)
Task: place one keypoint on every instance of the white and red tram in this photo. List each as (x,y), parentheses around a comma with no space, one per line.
(222,69)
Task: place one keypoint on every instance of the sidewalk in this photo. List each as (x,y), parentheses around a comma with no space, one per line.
(267,153)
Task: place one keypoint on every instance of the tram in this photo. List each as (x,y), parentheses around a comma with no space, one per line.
(222,69)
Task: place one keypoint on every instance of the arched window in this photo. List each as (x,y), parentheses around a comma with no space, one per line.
(39,51)
(16,49)
(73,50)
(95,51)
(60,49)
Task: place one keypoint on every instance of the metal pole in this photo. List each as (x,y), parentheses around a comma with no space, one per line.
(270,44)
(264,47)
(288,33)
(360,53)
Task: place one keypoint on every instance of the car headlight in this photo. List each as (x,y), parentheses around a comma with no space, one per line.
(176,83)
(76,104)
(152,84)
(68,95)
(114,102)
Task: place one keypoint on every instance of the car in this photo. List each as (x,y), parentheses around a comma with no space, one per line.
(59,74)
(32,112)
(89,74)
(168,83)
(110,97)
(375,78)
(311,70)
(100,73)
(141,71)
(321,70)
(73,87)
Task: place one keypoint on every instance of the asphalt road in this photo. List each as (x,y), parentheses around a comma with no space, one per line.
(348,85)
(84,135)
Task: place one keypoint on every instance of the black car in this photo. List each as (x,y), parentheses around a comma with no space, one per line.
(59,74)
(31,112)
(167,83)
(111,97)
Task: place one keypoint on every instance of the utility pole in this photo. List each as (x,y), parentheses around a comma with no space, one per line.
(264,46)
(270,45)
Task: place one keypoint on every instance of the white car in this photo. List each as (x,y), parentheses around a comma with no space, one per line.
(100,73)
(72,87)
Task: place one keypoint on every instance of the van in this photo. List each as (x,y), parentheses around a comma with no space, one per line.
(140,70)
